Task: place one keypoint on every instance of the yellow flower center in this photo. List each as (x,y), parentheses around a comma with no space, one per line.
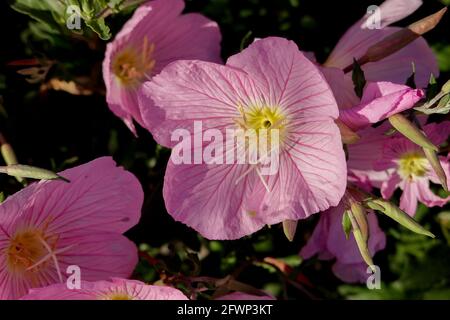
(25,250)
(412,165)
(117,296)
(132,65)
(258,118)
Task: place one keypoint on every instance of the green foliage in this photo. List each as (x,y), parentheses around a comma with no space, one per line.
(53,16)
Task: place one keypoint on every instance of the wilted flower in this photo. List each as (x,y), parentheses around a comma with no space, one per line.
(155,36)
(51,225)
(116,289)
(270,85)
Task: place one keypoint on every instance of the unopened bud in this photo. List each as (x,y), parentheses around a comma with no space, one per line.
(409,130)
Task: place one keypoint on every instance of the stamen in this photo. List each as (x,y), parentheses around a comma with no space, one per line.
(51,254)
(262,180)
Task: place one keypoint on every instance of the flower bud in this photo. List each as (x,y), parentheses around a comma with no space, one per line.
(409,130)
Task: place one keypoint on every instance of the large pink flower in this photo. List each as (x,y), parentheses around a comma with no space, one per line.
(397,162)
(328,241)
(116,289)
(270,85)
(51,225)
(156,35)
(396,68)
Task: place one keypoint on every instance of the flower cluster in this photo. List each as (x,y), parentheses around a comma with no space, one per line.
(338,131)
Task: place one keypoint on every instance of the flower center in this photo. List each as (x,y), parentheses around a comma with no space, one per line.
(117,296)
(25,249)
(412,165)
(258,118)
(132,65)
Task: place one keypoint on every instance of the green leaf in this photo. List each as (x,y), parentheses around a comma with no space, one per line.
(99,26)
(359,79)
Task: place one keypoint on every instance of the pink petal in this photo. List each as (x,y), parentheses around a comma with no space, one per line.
(427,197)
(342,87)
(210,199)
(101,289)
(438,133)
(395,68)
(409,197)
(312,172)
(351,273)
(99,256)
(175,36)
(380,101)
(193,90)
(287,77)
(389,186)
(100,196)
(328,240)
(445,163)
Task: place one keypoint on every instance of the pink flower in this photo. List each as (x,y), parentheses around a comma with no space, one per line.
(270,85)
(380,101)
(328,241)
(382,75)
(116,289)
(399,163)
(51,225)
(156,35)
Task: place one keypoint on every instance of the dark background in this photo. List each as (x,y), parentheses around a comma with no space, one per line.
(56,130)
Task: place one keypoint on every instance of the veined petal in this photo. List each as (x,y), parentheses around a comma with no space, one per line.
(100,196)
(193,90)
(219,201)
(409,197)
(288,79)
(380,101)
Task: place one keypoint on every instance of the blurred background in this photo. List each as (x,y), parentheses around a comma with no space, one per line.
(54,114)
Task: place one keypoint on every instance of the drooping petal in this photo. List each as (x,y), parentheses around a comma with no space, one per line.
(388,187)
(380,101)
(427,197)
(351,273)
(409,197)
(329,241)
(445,164)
